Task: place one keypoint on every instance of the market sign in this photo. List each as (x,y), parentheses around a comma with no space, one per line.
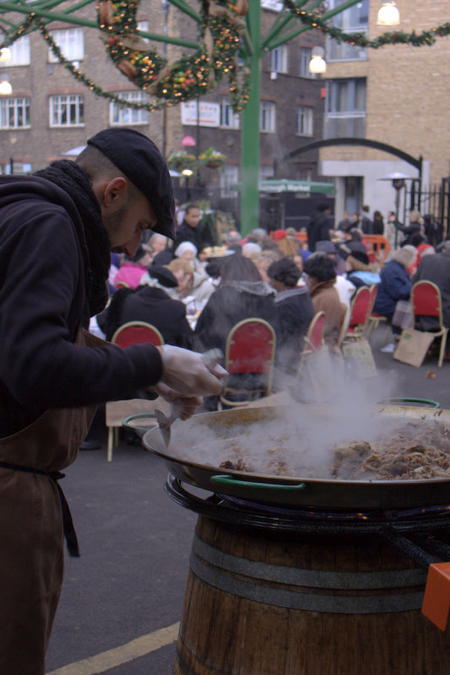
(207,116)
(287,185)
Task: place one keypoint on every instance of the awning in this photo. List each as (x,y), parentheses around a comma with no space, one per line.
(287,185)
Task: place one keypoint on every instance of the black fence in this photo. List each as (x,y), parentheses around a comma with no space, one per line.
(435,201)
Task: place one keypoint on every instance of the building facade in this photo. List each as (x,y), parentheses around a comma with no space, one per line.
(396,95)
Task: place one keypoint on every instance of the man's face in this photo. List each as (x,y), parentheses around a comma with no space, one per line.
(192,217)
(126,224)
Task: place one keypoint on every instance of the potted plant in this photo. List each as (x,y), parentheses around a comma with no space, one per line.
(212,158)
(181,160)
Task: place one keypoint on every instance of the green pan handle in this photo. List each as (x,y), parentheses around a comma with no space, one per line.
(234,482)
(138,430)
(408,399)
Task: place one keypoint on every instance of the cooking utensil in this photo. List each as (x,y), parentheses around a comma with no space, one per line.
(317,492)
(210,358)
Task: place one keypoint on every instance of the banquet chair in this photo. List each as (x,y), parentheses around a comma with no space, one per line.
(314,336)
(249,350)
(135,333)
(374,318)
(426,301)
(360,310)
(131,333)
(344,328)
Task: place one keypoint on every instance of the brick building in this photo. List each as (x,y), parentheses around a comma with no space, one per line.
(50,113)
(398,95)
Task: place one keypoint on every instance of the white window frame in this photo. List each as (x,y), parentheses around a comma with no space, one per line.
(350,110)
(229,180)
(11,109)
(305,54)
(62,104)
(71,43)
(120,115)
(279,59)
(228,118)
(20,53)
(267,117)
(143,25)
(305,120)
(19,168)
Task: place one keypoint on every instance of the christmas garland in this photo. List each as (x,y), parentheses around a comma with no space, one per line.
(313,20)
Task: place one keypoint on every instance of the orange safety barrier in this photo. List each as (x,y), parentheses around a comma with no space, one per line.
(378,247)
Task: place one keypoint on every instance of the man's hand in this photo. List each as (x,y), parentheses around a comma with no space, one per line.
(187,374)
(185,406)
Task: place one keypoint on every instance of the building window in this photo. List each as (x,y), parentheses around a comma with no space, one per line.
(346,108)
(305,121)
(267,116)
(66,111)
(20,52)
(353,20)
(279,59)
(15,113)
(119,114)
(228,118)
(143,25)
(71,43)
(305,58)
(16,168)
(229,180)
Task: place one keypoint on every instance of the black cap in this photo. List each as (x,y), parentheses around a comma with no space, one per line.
(140,160)
(165,276)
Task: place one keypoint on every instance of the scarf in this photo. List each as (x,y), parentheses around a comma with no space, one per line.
(92,236)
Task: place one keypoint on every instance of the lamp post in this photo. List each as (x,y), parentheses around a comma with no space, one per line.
(398,182)
(187,173)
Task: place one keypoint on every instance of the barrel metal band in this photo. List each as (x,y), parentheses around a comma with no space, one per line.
(299,600)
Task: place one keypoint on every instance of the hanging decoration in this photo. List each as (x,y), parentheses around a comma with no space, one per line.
(314,20)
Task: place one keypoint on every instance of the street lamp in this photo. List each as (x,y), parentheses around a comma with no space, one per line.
(5,55)
(388,15)
(187,173)
(317,65)
(5,85)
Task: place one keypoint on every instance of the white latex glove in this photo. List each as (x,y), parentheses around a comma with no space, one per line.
(183,406)
(186,372)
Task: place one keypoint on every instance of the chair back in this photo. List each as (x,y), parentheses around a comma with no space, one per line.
(361,307)
(135,333)
(426,299)
(250,347)
(373,296)
(314,336)
(344,327)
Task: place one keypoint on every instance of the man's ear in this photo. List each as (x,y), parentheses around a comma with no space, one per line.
(114,192)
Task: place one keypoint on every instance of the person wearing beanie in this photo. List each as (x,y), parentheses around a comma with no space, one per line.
(359,271)
(58,229)
(293,313)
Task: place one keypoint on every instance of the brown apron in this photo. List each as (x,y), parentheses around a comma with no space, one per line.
(31,530)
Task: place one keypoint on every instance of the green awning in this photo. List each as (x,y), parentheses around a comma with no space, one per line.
(287,185)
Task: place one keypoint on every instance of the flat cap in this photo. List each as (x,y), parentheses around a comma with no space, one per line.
(142,163)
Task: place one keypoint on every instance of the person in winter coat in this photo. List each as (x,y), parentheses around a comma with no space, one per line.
(58,227)
(241,295)
(319,227)
(378,223)
(293,313)
(436,268)
(321,277)
(192,230)
(133,269)
(395,283)
(150,303)
(358,269)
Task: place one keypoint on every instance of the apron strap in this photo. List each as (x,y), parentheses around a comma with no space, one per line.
(68,526)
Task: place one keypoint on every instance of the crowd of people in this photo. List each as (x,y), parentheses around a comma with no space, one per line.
(207,290)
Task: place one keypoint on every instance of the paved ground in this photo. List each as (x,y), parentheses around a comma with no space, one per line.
(135,545)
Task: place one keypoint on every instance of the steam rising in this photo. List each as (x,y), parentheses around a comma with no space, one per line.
(325,406)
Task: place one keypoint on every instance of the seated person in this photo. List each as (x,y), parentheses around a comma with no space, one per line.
(152,304)
(359,270)
(436,268)
(395,283)
(241,295)
(293,313)
(320,274)
(133,269)
(160,249)
(194,286)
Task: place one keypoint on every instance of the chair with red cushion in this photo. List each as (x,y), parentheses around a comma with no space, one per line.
(250,349)
(426,301)
(314,336)
(360,309)
(135,333)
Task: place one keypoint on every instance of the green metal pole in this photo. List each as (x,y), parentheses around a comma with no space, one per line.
(249,211)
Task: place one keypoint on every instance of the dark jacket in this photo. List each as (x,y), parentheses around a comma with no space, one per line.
(153,306)
(318,229)
(435,268)
(367,225)
(395,285)
(43,304)
(228,305)
(293,313)
(199,236)
(378,226)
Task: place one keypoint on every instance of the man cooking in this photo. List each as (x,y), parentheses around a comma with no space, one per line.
(57,229)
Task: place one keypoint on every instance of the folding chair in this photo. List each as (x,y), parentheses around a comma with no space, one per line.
(131,333)
(250,349)
(374,318)
(360,309)
(314,336)
(426,301)
(135,333)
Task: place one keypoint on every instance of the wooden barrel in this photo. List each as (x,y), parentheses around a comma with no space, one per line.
(263,603)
